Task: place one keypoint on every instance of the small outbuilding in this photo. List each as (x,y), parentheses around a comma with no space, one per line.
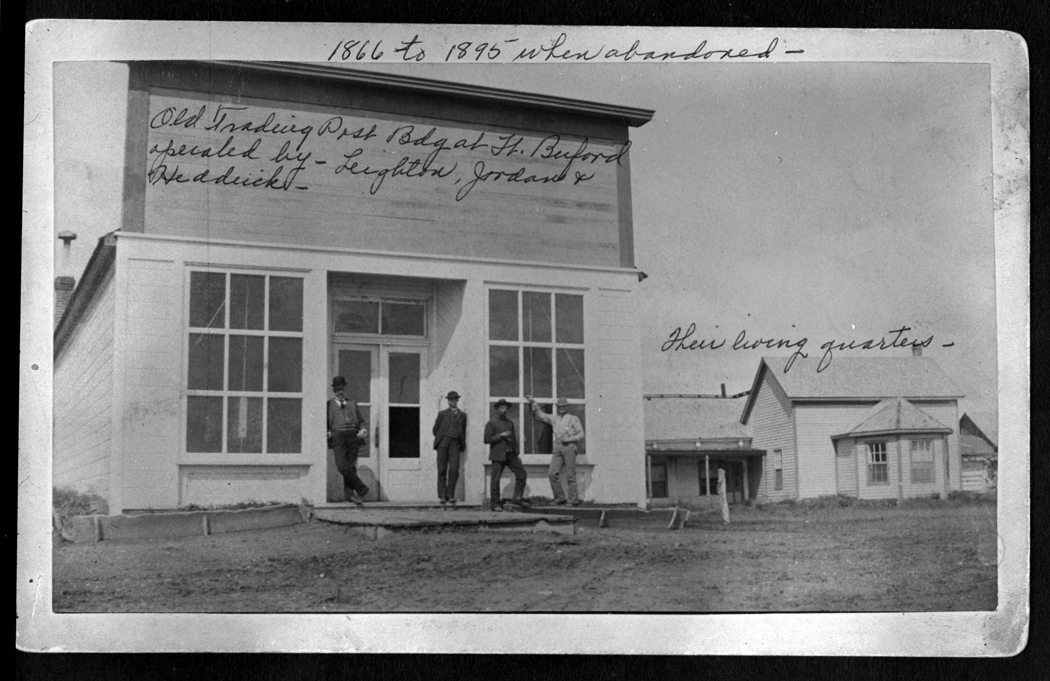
(687,439)
(978,440)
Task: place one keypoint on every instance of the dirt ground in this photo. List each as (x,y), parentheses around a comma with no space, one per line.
(936,558)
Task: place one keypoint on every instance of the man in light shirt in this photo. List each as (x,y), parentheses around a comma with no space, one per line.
(567,432)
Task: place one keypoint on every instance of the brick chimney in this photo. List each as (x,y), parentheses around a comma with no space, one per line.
(723,390)
(64,284)
(63,292)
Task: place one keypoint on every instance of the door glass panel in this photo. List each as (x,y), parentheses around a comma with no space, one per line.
(404,375)
(356,367)
(356,316)
(404,432)
(404,378)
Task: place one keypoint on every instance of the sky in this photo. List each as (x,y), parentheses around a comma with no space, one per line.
(825,201)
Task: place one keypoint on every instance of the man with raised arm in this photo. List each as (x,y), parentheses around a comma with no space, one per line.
(567,432)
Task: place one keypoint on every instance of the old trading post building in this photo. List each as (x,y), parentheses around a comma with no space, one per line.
(285,223)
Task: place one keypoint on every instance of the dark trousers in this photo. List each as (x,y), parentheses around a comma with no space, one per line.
(513,462)
(448,451)
(345,445)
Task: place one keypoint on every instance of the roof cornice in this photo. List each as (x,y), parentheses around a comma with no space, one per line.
(632,116)
(98,265)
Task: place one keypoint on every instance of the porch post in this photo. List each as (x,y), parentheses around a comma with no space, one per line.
(747,482)
(900,472)
(648,476)
(707,473)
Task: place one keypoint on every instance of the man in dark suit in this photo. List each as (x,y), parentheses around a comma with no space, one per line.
(450,439)
(346,432)
(503,453)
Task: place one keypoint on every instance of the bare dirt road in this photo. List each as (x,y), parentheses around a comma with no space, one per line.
(934,557)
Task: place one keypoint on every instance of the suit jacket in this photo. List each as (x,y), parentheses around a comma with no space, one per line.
(500,448)
(448,424)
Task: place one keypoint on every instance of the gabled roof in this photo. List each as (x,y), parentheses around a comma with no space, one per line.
(855,378)
(704,418)
(986,423)
(977,447)
(896,416)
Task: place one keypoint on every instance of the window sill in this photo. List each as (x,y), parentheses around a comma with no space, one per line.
(197,459)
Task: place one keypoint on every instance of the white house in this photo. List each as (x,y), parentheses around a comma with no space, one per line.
(868,427)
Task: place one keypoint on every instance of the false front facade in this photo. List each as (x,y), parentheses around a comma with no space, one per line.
(283,224)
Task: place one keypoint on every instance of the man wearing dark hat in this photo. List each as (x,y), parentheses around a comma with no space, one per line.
(567,432)
(450,438)
(346,431)
(503,453)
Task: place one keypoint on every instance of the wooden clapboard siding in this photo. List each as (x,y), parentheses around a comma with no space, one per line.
(846,467)
(83,398)
(615,422)
(152,379)
(946,412)
(547,222)
(815,424)
(771,426)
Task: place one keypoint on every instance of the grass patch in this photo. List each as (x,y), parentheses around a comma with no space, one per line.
(68,502)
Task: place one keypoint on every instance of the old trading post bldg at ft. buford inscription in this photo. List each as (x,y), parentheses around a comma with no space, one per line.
(283,223)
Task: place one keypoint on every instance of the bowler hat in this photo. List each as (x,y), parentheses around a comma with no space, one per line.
(562,402)
(502,403)
(338,382)
(452,395)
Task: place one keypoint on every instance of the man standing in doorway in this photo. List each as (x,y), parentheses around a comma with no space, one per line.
(346,432)
(567,432)
(503,453)
(450,439)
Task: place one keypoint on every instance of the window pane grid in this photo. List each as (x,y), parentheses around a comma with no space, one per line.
(534,351)
(242,412)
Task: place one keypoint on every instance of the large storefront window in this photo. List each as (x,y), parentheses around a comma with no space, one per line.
(245,363)
(536,347)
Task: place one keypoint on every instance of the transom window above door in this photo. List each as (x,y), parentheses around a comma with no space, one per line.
(380,317)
